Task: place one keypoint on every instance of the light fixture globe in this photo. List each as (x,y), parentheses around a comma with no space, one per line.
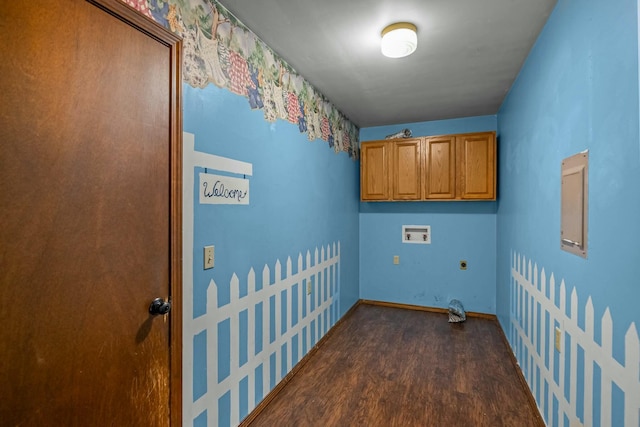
(399,40)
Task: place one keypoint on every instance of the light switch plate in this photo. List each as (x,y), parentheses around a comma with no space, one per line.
(209,257)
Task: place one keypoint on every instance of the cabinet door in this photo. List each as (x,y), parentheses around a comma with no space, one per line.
(476,154)
(407,169)
(374,171)
(440,167)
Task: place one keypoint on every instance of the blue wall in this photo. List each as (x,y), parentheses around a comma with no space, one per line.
(429,275)
(578,90)
(302,196)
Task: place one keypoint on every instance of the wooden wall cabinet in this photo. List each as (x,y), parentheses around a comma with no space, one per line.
(375,178)
(440,167)
(406,169)
(447,167)
(476,163)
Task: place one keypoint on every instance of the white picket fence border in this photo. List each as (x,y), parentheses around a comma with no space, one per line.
(324,276)
(528,288)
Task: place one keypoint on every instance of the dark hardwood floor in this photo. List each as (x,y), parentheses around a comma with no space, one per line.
(394,367)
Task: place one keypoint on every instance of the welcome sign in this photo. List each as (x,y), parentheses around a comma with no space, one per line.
(223,190)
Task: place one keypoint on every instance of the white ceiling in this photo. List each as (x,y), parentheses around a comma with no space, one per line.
(469,52)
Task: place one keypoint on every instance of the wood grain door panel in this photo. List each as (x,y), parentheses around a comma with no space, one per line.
(89,225)
(407,169)
(440,167)
(476,164)
(374,171)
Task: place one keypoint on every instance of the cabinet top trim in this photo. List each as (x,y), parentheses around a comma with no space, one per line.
(493,132)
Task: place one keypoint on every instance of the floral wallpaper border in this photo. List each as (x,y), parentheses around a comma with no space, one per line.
(220,50)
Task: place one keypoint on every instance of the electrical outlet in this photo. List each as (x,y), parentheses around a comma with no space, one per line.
(209,257)
(396,259)
(558,338)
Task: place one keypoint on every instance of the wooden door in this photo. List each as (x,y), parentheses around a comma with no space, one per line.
(440,167)
(476,154)
(90,225)
(406,169)
(374,171)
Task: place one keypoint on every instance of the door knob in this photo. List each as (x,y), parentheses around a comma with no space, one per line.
(159,306)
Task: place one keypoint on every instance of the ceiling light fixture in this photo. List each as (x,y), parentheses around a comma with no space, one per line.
(399,40)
